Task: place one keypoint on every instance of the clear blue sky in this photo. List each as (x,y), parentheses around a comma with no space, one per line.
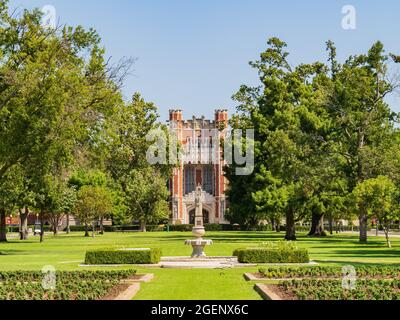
(194,55)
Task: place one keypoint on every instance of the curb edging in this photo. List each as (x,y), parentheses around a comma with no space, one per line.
(266,293)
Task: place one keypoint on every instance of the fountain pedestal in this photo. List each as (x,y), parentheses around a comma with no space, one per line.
(199,232)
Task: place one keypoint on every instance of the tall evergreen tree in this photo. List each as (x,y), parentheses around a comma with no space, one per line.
(363,120)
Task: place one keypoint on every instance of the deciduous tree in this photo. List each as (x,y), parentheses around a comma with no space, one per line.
(378,197)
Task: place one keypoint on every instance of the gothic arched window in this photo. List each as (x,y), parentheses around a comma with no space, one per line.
(208,180)
(189,179)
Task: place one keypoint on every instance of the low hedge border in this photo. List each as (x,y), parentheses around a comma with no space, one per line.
(267,255)
(122,256)
(16,229)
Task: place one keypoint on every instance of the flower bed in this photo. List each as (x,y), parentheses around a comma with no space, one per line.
(327,283)
(79,285)
(333,290)
(329,272)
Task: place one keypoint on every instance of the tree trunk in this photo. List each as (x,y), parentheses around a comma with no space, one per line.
(363,218)
(101,225)
(276,225)
(142,226)
(317,226)
(386,230)
(93,228)
(23,234)
(331,225)
(290,226)
(55,229)
(3,225)
(86,230)
(68,229)
(41,225)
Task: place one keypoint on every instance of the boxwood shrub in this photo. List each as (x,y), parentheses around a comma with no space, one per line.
(218,227)
(276,253)
(181,227)
(121,256)
(78,228)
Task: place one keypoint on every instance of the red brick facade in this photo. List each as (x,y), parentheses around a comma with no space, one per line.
(202,164)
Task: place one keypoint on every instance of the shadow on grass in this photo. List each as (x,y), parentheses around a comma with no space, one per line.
(373,253)
(15,241)
(328,242)
(218,238)
(11,252)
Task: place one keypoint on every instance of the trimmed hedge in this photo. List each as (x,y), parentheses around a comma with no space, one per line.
(121,256)
(272,255)
(78,228)
(15,229)
(181,227)
(219,227)
(160,228)
(127,228)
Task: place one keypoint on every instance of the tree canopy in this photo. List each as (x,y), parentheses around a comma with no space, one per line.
(321,129)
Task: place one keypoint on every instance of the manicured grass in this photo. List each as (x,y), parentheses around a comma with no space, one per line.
(198,284)
(67,252)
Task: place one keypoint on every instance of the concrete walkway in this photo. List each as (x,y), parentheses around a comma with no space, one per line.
(210,263)
(204,263)
(372,233)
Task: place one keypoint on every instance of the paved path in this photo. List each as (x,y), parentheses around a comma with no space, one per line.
(209,263)
(373,233)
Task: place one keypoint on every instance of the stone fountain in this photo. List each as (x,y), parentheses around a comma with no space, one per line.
(199,232)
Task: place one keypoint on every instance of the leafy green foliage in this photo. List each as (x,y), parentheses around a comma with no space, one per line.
(319,132)
(93,203)
(290,125)
(141,190)
(146,194)
(55,91)
(81,178)
(379,198)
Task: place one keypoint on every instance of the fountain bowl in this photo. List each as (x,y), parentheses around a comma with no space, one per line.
(199,232)
(198,246)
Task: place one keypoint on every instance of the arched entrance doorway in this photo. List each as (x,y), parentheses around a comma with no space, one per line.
(206,216)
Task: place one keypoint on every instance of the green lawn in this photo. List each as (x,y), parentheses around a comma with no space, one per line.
(198,284)
(66,252)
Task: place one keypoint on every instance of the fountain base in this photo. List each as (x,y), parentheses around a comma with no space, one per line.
(198,246)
